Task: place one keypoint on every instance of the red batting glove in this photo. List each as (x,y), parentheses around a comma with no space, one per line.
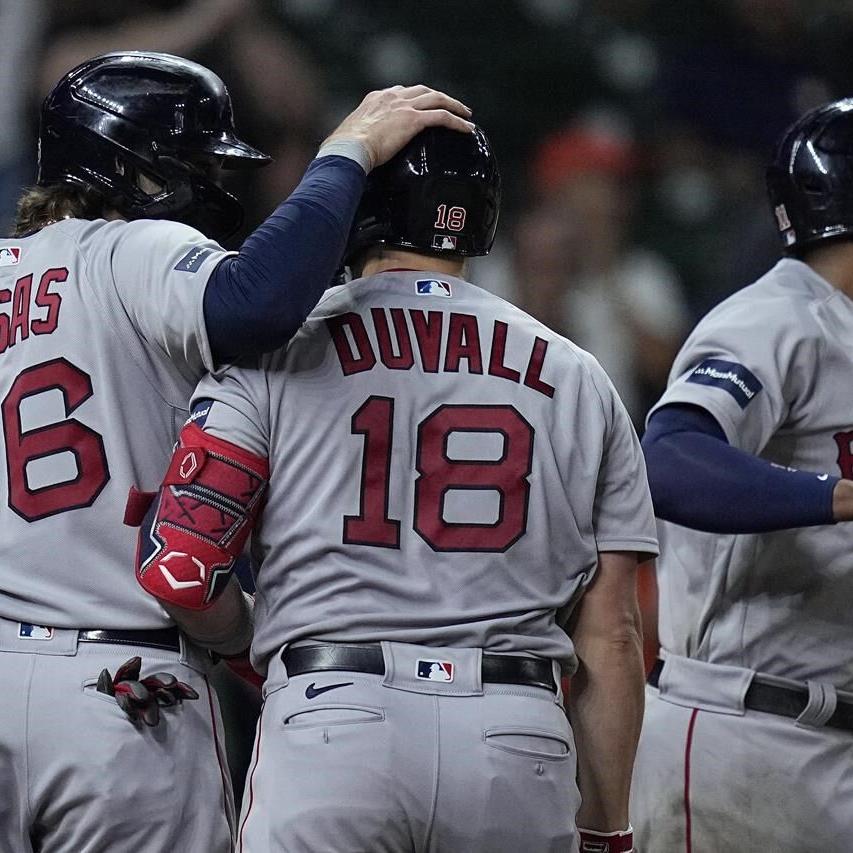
(141,699)
(607,842)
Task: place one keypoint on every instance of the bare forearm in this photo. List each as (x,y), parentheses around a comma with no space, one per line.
(842,501)
(225,627)
(606,712)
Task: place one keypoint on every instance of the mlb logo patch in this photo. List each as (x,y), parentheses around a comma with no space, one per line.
(34,632)
(444,241)
(432,287)
(435,670)
(10,255)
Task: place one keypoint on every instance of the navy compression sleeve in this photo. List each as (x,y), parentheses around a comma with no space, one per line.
(699,480)
(255,301)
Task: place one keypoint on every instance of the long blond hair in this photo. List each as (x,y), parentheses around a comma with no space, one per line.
(39,206)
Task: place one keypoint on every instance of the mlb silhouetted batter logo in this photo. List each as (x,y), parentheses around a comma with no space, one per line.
(432,287)
(444,241)
(435,670)
(9,255)
(26,631)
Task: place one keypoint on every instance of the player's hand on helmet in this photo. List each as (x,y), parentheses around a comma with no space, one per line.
(389,118)
(141,699)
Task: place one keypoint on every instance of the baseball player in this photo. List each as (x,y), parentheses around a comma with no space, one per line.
(449,486)
(112,306)
(748,736)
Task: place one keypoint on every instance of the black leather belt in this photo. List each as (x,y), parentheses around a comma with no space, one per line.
(783,701)
(495,669)
(164,638)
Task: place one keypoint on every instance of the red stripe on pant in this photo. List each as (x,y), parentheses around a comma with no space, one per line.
(223,770)
(251,781)
(688,746)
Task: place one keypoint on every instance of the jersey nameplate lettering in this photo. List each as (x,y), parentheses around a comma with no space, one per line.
(738,380)
(32,306)
(407,334)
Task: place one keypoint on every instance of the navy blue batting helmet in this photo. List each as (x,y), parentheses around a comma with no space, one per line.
(439,195)
(121,116)
(810,181)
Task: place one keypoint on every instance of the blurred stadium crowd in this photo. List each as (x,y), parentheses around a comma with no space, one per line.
(632,134)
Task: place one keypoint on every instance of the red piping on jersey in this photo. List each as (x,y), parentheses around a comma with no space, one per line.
(218,749)
(688,746)
(251,782)
(398,269)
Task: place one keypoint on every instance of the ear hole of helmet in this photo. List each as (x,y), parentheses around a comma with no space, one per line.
(148,184)
(813,186)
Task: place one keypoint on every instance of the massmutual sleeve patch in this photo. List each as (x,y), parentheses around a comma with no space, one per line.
(191,262)
(199,413)
(740,382)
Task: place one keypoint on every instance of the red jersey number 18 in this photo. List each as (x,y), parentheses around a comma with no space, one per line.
(437,474)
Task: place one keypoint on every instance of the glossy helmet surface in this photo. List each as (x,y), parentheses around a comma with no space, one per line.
(440,195)
(120,116)
(810,181)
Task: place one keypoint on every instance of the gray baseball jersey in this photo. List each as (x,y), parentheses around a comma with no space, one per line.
(102,340)
(443,473)
(444,470)
(770,364)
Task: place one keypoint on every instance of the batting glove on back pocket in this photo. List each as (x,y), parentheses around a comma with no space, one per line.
(141,699)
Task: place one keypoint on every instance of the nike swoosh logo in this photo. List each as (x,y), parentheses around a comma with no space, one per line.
(823,477)
(311,691)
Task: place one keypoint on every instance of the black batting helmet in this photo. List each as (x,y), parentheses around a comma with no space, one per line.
(122,116)
(810,181)
(440,195)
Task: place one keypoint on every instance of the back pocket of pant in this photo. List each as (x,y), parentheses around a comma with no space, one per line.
(531,743)
(332,715)
(89,688)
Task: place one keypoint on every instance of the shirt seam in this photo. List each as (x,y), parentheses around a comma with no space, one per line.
(609,543)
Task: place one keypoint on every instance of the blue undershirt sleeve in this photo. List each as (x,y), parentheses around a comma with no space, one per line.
(699,480)
(256,300)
